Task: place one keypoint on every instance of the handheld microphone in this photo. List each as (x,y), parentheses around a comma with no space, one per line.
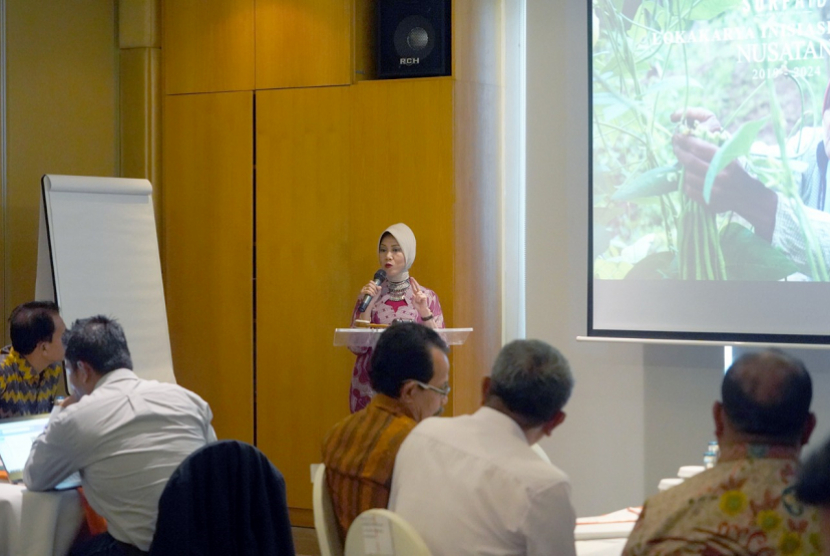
(378,279)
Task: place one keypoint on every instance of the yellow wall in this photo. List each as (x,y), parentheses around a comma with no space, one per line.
(208,220)
(281,173)
(335,159)
(327,186)
(62,117)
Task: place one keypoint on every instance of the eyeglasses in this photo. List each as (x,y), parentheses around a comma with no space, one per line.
(444,392)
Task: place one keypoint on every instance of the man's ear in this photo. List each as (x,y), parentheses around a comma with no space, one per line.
(718,417)
(408,391)
(809,426)
(554,422)
(83,368)
(485,389)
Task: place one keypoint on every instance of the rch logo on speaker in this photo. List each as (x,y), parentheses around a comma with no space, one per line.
(410,61)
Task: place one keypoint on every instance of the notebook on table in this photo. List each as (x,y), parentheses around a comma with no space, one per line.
(16,438)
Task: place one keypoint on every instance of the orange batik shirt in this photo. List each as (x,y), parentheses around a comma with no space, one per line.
(359,454)
(745,505)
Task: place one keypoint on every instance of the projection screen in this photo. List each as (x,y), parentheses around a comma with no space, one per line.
(709,161)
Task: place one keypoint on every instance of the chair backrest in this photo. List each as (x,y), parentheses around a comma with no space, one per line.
(325,522)
(225,498)
(383,532)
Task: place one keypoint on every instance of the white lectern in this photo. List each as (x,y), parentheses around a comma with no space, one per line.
(368,337)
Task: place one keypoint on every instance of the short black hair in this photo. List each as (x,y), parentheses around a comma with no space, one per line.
(32,323)
(781,417)
(99,342)
(403,352)
(813,483)
(533,379)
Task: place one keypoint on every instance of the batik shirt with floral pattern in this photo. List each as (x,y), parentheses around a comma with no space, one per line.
(745,505)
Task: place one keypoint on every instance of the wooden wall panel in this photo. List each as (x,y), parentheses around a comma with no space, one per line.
(303,43)
(402,165)
(402,171)
(365,39)
(334,167)
(62,110)
(303,255)
(139,23)
(140,110)
(208,223)
(208,45)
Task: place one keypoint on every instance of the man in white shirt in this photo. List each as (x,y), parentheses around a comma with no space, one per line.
(125,435)
(472,485)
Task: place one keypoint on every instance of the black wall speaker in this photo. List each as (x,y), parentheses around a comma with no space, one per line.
(414,38)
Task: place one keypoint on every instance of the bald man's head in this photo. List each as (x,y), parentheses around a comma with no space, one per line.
(768,394)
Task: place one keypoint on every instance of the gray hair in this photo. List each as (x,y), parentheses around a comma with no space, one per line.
(99,342)
(533,379)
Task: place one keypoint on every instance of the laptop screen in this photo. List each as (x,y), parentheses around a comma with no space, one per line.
(16,438)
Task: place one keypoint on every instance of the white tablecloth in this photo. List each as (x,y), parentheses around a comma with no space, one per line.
(38,523)
(605,535)
(600,547)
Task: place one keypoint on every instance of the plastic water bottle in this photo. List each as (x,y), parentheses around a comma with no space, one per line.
(710,458)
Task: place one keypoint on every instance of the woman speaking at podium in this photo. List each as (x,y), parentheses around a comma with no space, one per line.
(397,297)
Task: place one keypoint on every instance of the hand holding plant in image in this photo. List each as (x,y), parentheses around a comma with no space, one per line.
(676,195)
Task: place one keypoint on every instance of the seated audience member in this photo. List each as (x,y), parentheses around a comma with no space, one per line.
(31,366)
(472,485)
(745,503)
(125,435)
(409,372)
(813,487)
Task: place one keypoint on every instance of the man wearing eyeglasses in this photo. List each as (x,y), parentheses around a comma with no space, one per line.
(410,374)
(472,485)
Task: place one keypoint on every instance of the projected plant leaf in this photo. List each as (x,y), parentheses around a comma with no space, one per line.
(673,83)
(645,13)
(657,266)
(658,181)
(735,147)
(748,257)
(709,9)
(653,60)
(602,238)
(611,270)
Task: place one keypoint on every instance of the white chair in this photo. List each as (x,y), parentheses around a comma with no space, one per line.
(325,522)
(383,533)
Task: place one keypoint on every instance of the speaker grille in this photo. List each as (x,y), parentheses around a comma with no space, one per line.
(414,37)
(417,39)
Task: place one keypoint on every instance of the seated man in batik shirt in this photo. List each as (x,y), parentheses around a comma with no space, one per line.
(32,366)
(410,376)
(746,503)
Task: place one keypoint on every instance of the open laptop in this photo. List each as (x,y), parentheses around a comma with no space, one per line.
(16,438)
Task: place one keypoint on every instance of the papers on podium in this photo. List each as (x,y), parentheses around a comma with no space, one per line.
(368,337)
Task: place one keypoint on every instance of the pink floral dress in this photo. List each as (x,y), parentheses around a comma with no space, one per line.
(384,312)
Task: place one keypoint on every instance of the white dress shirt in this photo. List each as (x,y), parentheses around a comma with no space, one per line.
(126,438)
(472,485)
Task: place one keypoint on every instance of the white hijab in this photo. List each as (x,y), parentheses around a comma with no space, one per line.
(406,239)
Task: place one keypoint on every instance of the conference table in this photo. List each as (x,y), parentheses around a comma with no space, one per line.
(604,535)
(38,523)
